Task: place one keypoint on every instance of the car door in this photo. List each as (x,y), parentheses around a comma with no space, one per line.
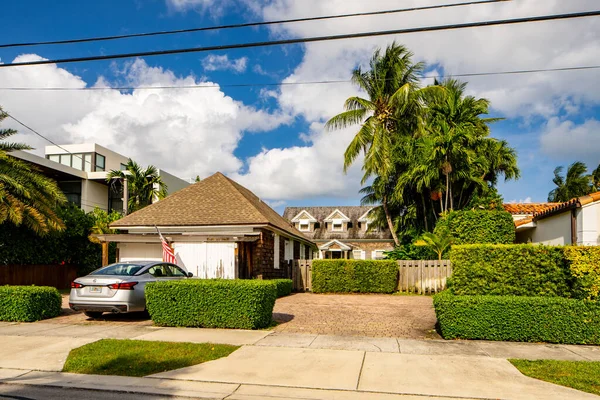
(177,272)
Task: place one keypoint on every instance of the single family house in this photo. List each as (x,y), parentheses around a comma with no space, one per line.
(217,229)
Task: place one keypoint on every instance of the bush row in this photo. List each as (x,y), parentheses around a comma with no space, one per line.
(354,276)
(514,318)
(214,303)
(284,287)
(478,226)
(29,303)
(526,270)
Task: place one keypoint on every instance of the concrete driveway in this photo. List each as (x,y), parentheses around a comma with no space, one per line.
(356,315)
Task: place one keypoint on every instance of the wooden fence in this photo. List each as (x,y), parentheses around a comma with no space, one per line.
(415,276)
(59,276)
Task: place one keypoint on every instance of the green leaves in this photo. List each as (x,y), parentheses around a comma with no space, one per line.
(439,243)
(29,303)
(216,303)
(478,227)
(576,183)
(284,287)
(584,264)
(354,276)
(521,319)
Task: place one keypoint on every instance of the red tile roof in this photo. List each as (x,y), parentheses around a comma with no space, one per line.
(528,208)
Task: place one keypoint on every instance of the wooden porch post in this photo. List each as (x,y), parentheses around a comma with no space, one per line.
(104,254)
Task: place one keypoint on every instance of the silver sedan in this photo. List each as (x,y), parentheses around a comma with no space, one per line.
(119,288)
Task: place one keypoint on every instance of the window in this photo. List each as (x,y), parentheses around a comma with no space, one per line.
(177,272)
(65,159)
(87,162)
(122,167)
(304,227)
(377,255)
(118,269)
(77,161)
(100,162)
(357,254)
(160,271)
(54,157)
(72,191)
(337,226)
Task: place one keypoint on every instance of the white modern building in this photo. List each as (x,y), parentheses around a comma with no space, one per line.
(81,170)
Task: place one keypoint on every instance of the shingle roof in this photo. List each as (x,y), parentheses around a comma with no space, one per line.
(216,200)
(352,212)
(528,208)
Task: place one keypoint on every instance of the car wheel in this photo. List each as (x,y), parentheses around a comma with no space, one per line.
(93,314)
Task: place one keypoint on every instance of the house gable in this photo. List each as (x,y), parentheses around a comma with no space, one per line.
(304,216)
(337,215)
(335,245)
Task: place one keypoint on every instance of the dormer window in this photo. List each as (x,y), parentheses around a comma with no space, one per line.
(337,226)
(304,226)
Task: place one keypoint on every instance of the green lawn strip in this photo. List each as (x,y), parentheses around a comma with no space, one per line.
(580,375)
(140,357)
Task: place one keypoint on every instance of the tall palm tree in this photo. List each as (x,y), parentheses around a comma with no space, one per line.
(27,197)
(576,183)
(389,110)
(143,185)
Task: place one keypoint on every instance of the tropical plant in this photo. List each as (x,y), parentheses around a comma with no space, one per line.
(576,183)
(390,109)
(439,243)
(143,185)
(102,221)
(27,197)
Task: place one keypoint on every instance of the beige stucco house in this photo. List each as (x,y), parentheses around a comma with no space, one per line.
(573,222)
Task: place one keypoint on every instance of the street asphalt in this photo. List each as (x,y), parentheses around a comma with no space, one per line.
(28,392)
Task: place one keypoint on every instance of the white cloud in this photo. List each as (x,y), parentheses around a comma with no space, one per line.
(566,140)
(522,201)
(188,132)
(214,62)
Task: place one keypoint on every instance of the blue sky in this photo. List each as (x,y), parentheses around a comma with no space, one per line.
(270,138)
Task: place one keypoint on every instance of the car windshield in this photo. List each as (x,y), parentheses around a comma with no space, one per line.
(119,269)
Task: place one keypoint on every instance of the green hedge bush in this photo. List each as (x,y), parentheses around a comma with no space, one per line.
(584,264)
(479,226)
(284,287)
(354,276)
(29,303)
(520,270)
(216,303)
(514,318)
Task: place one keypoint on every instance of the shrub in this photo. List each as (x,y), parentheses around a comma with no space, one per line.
(215,303)
(409,251)
(520,270)
(354,276)
(284,287)
(584,264)
(479,226)
(29,303)
(513,318)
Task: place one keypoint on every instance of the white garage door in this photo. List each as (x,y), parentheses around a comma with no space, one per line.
(139,251)
(207,260)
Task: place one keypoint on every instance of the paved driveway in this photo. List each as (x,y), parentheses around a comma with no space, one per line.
(357,315)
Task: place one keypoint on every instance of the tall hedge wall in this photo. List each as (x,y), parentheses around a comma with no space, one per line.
(514,318)
(479,226)
(520,270)
(216,303)
(354,276)
(29,303)
(584,264)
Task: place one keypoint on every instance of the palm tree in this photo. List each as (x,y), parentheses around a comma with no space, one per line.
(26,196)
(576,183)
(439,243)
(596,178)
(390,109)
(143,185)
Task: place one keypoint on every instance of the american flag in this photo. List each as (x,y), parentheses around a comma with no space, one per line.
(167,254)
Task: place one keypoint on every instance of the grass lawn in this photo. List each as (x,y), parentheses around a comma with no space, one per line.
(580,375)
(140,357)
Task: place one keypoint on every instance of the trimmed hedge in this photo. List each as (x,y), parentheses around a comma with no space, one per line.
(479,226)
(29,303)
(354,276)
(584,264)
(520,270)
(215,303)
(513,318)
(284,287)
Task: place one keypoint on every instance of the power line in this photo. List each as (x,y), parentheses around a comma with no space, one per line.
(323,82)
(245,25)
(310,39)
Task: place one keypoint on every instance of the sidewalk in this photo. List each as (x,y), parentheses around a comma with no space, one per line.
(294,366)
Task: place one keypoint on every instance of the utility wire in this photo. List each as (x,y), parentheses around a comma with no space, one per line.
(247,24)
(310,39)
(324,82)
